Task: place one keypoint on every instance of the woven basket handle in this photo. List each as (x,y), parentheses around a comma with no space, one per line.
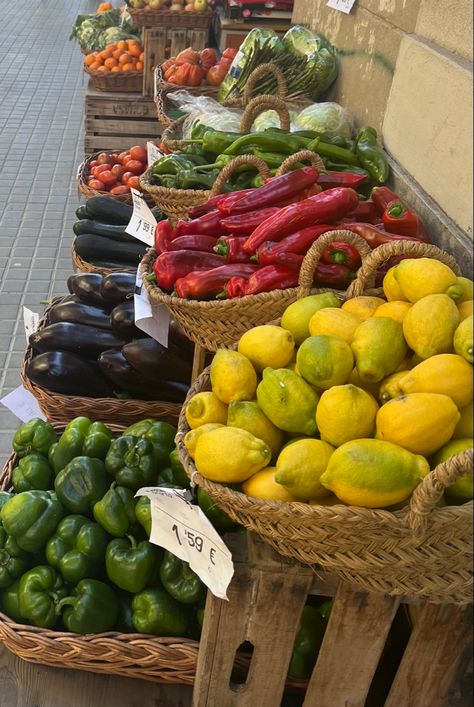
(313,256)
(302,156)
(171,135)
(257,74)
(431,489)
(229,169)
(258,105)
(385,251)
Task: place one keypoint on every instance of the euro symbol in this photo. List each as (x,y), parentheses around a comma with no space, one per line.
(212,552)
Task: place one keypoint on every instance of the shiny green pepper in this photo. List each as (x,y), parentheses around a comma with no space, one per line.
(13,560)
(160,434)
(39,593)
(92,607)
(143,513)
(36,435)
(131,565)
(4,497)
(130,461)
(308,640)
(180,476)
(371,156)
(77,549)
(116,511)
(31,517)
(154,611)
(10,602)
(219,518)
(180,581)
(124,622)
(81,437)
(32,472)
(81,484)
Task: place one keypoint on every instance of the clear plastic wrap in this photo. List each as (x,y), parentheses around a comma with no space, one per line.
(328,118)
(207,111)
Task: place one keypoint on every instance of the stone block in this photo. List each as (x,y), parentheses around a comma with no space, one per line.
(401,13)
(447,23)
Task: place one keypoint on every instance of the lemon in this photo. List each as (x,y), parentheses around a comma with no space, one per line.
(466,309)
(334,322)
(373,474)
(191,438)
(267,345)
(419,277)
(419,422)
(232,376)
(389,387)
(363,306)
(288,401)
(263,485)
(249,416)
(330,500)
(430,324)
(355,379)
(461,491)
(300,465)
(448,374)
(297,315)
(325,361)
(463,339)
(465,426)
(396,309)
(379,347)
(391,288)
(467,290)
(345,412)
(230,455)
(204,408)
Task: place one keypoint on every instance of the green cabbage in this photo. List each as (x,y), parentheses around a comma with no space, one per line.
(328,118)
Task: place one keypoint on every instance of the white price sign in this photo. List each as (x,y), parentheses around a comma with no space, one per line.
(30,321)
(153,152)
(142,224)
(341,5)
(153,321)
(22,404)
(183,529)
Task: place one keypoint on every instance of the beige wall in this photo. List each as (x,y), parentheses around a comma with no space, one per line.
(406,69)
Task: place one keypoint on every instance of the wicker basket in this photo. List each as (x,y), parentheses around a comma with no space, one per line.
(117,81)
(173,20)
(163,88)
(83,266)
(297,101)
(58,407)
(85,190)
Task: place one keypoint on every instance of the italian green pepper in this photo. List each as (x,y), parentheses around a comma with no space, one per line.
(371,156)
(92,607)
(31,517)
(32,472)
(77,549)
(36,435)
(81,484)
(39,593)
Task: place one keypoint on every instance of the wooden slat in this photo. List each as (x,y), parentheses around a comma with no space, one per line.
(178,39)
(123,109)
(353,643)
(118,127)
(96,143)
(440,637)
(155,40)
(198,39)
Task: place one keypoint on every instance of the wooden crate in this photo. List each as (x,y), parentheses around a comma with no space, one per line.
(357,665)
(118,120)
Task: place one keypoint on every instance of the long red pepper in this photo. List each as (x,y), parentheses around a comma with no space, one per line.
(298,242)
(278,189)
(244,224)
(365,211)
(226,201)
(235,287)
(207,284)
(382,197)
(164,232)
(343,254)
(373,235)
(204,244)
(271,277)
(207,225)
(232,248)
(398,218)
(329,205)
(170,266)
(331,274)
(201,209)
(329,180)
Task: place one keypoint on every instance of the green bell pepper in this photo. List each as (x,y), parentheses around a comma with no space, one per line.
(10,603)
(36,435)
(171,164)
(154,611)
(160,434)
(81,437)
(371,156)
(192,179)
(180,476)
(31,517)
(219,519)
(4,497)
(166,478)
(77,549)
(91,608)
(51,453)
(143,513)
(131,565)
(13,560)
(116,511)
(39,593)
(124,622)
(180,581)
(130,461)
(81,483)
(32,472)
(308,640)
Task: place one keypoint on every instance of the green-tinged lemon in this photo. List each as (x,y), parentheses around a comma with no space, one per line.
(465,309)
(232,376)
(465,426)
(191,438)
(296,316)
(324,361)
(363,306)
(461,491)
(230,455)
(467,289)
(396,309)
(463,336)
(355,379)
(300,465)
(430,324)
(448,374)
(391,288)
(373,474)
(288,401)
(248,415)
(378,347)
(389,387)
(419,277)
(331,321)
(267,345)
(263,485)
(345,412)
(204,408)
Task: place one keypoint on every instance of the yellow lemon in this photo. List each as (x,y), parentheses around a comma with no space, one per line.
(467,290)
(355,379)
(465,426)
(363,306)
(430,324)
(389,387)
(191,438)
(288,401)
(300,465)
(345,412)
(419,422)
(461,491)
(419,277)
(296,316)
(263,485)
(334,322)
(249,416)
(330,500)
(324,361)
(448,374)
(232,376)
(463,339)
(396,309)
(267,345)
(378,347)
(203,408)
(391,288)
(466,309)
(230,455)
(373,474)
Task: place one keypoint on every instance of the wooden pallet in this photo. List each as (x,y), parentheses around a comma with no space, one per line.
(118,120)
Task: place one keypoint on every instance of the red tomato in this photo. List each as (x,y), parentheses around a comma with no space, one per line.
(135,166)
(187,56)
(103,158)
(166,65)
(134,182)
(93,163)
(216,75)
(126,176)
(114,158)
(96,184)
(122,156)
(120,189)
(229,53)
(225,62)
(101,168)
(118,170)
(138,153)
(208,58)
(109,178)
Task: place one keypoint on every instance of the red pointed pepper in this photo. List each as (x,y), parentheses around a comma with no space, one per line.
(278,189)
(329,180)
(224,202)
(170,266)
(382,197)
(343,254)
(232,248)
(164,233)
(298,242)
(271,277)
(205,244)
(207,225)
(398,218)
(365,211)
(330,274)
(234,288)
(244,224)
(207,284)
(374,236)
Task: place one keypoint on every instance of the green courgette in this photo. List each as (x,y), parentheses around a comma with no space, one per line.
(108,210)
(92,248)
(82,212)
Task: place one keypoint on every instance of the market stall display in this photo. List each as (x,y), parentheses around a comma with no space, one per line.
(196,14)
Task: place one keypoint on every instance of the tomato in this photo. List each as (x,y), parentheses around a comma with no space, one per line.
(93,163)
(114,158)
(134,182)
(169,72)
(225,62)
(109,178)
(138,153)
(216,75)
(120,189)
(135,166)
(188,75)
(187,56)
(167,65)
(96,184)
(122,156)
(101,168)
(103,158)
(126,176)
(208,58)
(119,170)
(229,53)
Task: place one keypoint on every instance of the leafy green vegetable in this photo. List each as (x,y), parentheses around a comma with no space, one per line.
(94,32)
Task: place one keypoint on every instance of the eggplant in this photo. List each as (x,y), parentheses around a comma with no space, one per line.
(122,321)
(86,285)
(109,210)
(177,337)
(84,340)
(155,361)
(80,313)
(108,230)
(82,212)
(69,374)
(117,286)
(92,248)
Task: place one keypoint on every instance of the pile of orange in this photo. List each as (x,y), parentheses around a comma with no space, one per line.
(124,56)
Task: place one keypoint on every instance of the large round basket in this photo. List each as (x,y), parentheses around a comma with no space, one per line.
(58,407)
(174,20)
(86,191)
(116,82)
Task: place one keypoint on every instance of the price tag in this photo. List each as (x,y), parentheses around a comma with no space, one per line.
(142,224)
(31,322)
(153,152)
(153,321)
(184,530)
(341,5)
(22,404)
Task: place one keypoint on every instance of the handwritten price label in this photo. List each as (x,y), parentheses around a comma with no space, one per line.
(142,224)
(30,321)
(154,321)
(341,5)
(153,152)
(184,530)
(22,404)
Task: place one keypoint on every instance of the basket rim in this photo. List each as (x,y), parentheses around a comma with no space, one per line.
(141,12)
(113,75)
(170,192)
(85,266)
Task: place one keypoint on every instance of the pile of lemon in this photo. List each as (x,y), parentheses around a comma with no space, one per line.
(345,404)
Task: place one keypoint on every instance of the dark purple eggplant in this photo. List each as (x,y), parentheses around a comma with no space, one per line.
(155,361)
(122,321)
(92,248)
(80,313)
(177,337)
(79,338)
(86,285)
(117,286)
(69,374)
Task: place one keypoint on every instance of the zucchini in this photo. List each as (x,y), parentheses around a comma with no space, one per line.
(82,212)
(80,313)
(92,248)
(86,285)
(113,231)
(117,287)
(109,210)
(81,339)
(155,361)
(122,321)
(67,373)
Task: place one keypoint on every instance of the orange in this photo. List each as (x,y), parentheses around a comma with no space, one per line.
(89,59)
(142,57)
(112,46)
(127,67)
(103,69)
(134,50)
(94,66)
(122,45)
(106,53)
(139,66)
(124,58)
(111,62)
(117,53)
(116,68)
